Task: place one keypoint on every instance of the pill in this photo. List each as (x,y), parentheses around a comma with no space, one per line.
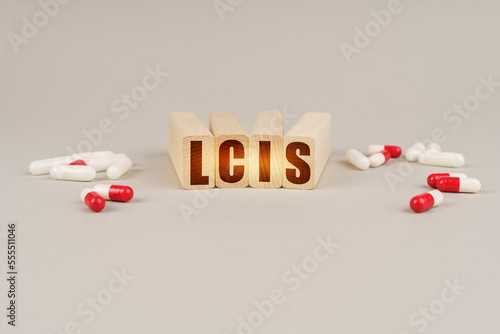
(90,155)
(424,202)
(92,199)
(445,159)
(357,159)
(78,162)
(102,163)
(458,185)
(394,150)
(40,167)
(379,158)
(412,153)
(433,147)
(433,178)
(119,167)
(72,173)
(114,192)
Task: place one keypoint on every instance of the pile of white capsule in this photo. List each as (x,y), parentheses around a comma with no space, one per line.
(83,166)
(380,154)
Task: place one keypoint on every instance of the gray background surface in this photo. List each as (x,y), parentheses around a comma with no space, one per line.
(199,276)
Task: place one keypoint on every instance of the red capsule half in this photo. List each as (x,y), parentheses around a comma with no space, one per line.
(93,200)
(78,162)
(114,192)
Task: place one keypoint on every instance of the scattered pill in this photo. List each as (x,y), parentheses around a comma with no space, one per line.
(424,202)
(93,200)
(394,150)
(119,167)
(357,159)
(78,162)
(72,173)
(433,178)
(379,158)
(445,159)
(458,185)
(114,192)
(412,153)
(40,167)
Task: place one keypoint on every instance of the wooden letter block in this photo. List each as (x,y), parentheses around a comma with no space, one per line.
(192,151)
(306,151)
(266,150)
(231,150)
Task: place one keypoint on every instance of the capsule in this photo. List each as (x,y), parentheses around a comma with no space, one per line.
(114,192)
(102,163)
(357,159)
(78,162)
(412,153)
(394,150)
(433,178)
(426,201)
(119,167)
(92,199)
(40,167)
(445,159)
(380,158)
(73,173)
(458,185)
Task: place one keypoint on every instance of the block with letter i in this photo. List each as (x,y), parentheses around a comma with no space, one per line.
(266,150)
(306,151)
(192,151)
(231,150)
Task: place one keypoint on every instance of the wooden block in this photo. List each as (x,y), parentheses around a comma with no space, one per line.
(192,151)
(231,150)
(266,150)
(306,151)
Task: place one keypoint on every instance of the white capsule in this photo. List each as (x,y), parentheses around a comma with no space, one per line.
(102,163)
(357,159)
(433,147)
(89,155)
(119,167)
(412,153)
(445,159)
(40,167)
(73,173)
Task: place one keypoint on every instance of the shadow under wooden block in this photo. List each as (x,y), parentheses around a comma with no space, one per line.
(266,150)
(231,150)
(191,148)
(306,151)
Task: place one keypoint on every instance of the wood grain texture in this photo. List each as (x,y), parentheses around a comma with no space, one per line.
(231,150)
(266,150)
(192,151)
(306,151)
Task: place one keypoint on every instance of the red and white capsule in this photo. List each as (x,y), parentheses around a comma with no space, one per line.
(114,192)
(78,162)
(380,158)
(92,199)
(433,178)
(394,150)
(458,185)
(426,201)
